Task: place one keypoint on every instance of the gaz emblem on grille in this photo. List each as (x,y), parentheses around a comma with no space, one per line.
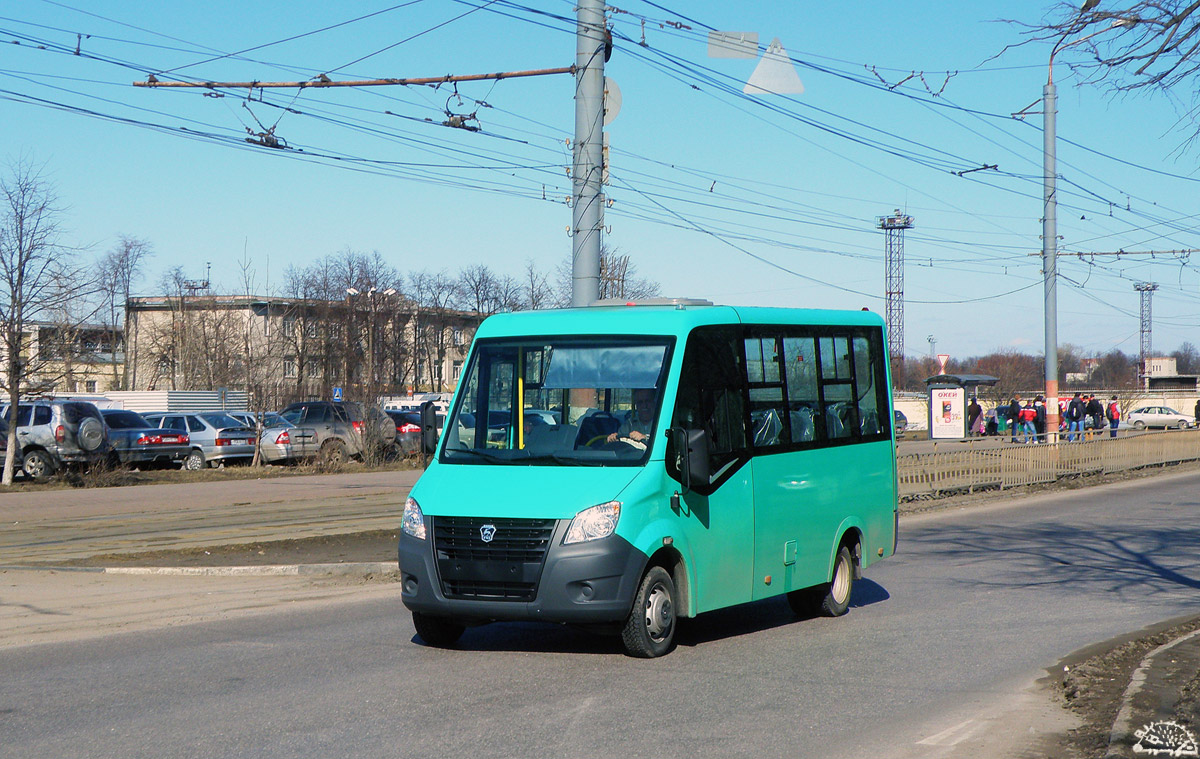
(487,532)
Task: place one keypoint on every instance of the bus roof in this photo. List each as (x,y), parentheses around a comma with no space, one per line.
(658,319)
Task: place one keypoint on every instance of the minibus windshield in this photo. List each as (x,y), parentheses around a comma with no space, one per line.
(559,401)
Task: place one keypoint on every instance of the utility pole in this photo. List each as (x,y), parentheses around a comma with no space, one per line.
(1147,290)
(590,44)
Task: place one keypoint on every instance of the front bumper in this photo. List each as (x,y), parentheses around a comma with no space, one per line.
(585,583)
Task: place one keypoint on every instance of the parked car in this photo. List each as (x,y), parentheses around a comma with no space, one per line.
(137,442)
(4,447)
(337,430)
(215,437)
(55,433)
(279,443)
(901,421)
(408,430)
(1158,416)
(251,419)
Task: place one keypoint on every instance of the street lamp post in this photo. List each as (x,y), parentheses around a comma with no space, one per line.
(1050,229)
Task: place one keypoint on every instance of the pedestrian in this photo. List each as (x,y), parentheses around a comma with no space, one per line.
(1027,415)
(1074,417)
(973,413)
(1039,422)
(1096,411)
(1014,414)
(1114,416)
(1197,413)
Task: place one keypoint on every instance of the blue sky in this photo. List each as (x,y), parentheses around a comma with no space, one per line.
(766,200)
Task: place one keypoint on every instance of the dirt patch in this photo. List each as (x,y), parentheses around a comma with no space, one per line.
(373,546)
(1092,682)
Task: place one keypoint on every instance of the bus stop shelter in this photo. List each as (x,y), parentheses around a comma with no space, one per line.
(948,394)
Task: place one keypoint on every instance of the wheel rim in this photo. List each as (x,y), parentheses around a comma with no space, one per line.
(194,462)
(841,581)
(35,466)
(659,613)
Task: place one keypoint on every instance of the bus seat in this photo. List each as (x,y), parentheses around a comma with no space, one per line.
(766,431)
(598,424)
(834,428)
(802,425)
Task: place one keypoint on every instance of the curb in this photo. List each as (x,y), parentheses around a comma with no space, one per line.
(267,570)
(1122,735)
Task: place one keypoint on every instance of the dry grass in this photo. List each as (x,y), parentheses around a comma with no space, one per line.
(103,476)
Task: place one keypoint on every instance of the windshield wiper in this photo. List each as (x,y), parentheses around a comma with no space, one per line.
(481,453)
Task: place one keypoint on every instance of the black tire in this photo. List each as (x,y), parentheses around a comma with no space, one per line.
(649,630)
(39,465)
(194,461)
(437,631)
(1139,425)
(1181,425)
(90,434)
(333,453)
(834,599)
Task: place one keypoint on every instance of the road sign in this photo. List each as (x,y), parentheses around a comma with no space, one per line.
(337,394)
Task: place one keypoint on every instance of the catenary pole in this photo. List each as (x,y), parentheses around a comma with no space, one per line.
(1050,253)
(587,153)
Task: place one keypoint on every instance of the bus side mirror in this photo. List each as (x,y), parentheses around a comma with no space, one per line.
(429,434)
(691,448)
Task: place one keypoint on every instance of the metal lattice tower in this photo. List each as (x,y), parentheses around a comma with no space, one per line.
(893,227)
(1147,290)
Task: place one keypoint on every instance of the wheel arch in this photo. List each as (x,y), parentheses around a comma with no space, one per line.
(850,534)
(665,548)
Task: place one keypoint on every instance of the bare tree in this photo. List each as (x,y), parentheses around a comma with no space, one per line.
(36,274)
(119,269)
(1146,44)
(536,291)
(618,279)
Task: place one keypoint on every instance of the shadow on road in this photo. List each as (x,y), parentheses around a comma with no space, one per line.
(1124,560)
(746,619)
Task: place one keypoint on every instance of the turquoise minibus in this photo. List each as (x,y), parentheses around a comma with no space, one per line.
(623,465)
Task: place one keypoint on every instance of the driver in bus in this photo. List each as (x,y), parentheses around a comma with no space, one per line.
(640,420)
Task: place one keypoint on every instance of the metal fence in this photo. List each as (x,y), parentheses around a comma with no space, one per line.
(1011,465)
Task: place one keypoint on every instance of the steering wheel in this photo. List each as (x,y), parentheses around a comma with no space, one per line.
(595,440)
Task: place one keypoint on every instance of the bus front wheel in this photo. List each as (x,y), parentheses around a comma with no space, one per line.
(437,631)
(650,629)
(831,599)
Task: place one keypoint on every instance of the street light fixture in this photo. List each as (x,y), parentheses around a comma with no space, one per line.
(1050,227)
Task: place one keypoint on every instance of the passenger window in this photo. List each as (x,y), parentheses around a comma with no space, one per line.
(316,415)
(24,414)
(41,414)
(866,376)
(837,386)
(800,371)
(194,424)
(175,423)
(769,420)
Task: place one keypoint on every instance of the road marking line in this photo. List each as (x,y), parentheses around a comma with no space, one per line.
(951,736)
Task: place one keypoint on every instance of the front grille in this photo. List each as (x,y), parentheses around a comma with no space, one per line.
(505,569)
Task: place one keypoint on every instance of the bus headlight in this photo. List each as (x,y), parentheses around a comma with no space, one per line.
(594,523)
(413,522)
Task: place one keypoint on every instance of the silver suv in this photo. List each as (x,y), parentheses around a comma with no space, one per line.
(52,434)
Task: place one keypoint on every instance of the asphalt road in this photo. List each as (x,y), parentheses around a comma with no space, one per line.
(942,640)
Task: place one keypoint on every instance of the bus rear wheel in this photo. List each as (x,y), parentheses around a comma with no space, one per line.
(437,631)
(831,599)
(650,628)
